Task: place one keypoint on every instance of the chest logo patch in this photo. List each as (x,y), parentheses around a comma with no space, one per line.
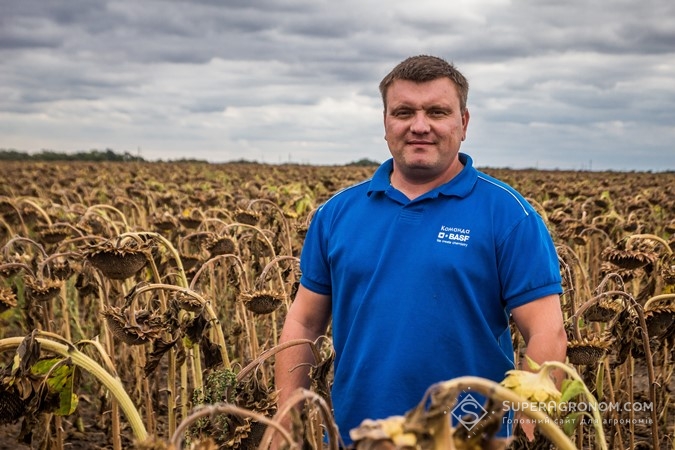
(454,236)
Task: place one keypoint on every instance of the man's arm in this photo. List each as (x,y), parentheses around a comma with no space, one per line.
(541,324)
(307,318)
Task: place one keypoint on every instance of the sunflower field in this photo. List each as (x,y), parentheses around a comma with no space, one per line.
(141,306)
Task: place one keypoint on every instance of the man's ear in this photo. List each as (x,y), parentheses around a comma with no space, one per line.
(465,118)
(465,122)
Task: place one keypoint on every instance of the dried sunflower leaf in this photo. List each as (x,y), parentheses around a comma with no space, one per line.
(27,353)
(195,330)
(211,353)
(159,348)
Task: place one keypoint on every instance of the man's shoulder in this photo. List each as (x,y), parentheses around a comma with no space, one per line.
(347,195)
(503,192)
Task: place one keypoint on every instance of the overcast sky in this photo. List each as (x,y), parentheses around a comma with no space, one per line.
(554,84)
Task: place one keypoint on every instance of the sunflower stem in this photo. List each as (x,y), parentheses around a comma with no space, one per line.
(548,366)
(83,361)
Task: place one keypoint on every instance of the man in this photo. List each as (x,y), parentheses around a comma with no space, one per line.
(421,266)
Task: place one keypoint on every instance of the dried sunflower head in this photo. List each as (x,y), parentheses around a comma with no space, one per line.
(6,205)
(12,406)
(220,246)
(118,259)
(570,229)
(659,320)
(301,230)
(254,395)
(670,227)
(626,274)
(262,302)
(632,226)
(604,310)
(191,219)
(164,221)
(630,259)
(667,272)
(587,352)
(148,326)
(558,216)
(13,264)
(247,216)
(7,299)
(42,290)
(187,302)
(53,234)
(94,225)
(60,267)
(189,261)
(86,283)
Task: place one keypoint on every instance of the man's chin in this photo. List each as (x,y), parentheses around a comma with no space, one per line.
(420,165)
(420,172)
(419,161)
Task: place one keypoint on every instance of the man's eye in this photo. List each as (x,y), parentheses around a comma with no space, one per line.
(402,113)
(437,113)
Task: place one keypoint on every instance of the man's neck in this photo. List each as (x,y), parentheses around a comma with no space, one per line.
(415,186)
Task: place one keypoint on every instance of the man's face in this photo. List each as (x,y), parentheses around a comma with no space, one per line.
(424,127)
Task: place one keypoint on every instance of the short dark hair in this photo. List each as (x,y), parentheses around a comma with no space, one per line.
(423,68)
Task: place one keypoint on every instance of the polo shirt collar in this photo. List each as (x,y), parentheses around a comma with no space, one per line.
(459,186)
(380,181)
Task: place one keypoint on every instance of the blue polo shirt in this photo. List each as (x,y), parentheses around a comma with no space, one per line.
(422,289)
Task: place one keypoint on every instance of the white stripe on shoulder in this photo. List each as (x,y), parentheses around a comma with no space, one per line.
(344,190)
(508,191)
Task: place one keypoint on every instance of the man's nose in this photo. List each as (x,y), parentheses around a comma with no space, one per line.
(420,123)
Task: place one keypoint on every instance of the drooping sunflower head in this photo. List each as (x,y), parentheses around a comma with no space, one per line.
(12,406)
(667,272)
(42,290)
(604,310)
(191,219)
(630,259)
(626,275)
(163,221)
(247,216)
(60,267)
(659,319)
(221,245)
(53,234)
(7,299)
(148,327)
(587,352)
(187,302)
(118,259)
(263,301)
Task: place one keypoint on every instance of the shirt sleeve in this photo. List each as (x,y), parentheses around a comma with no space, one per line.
(314,266)
(528,263)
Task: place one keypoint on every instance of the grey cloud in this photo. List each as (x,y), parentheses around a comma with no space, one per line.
(266,77)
